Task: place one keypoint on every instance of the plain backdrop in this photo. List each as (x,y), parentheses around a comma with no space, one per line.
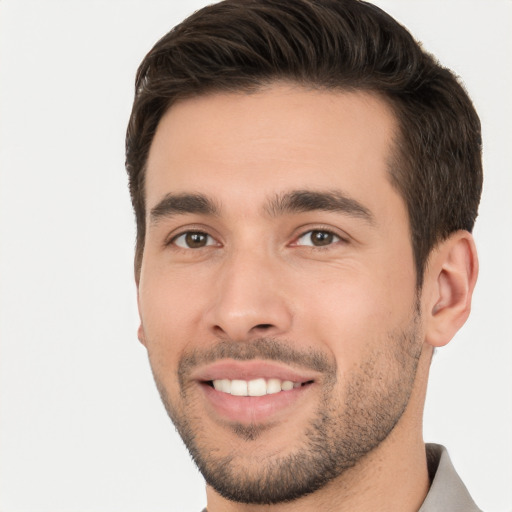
(81,424)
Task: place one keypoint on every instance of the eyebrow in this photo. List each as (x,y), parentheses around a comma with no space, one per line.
(299,201)
(182,204)
(295,201)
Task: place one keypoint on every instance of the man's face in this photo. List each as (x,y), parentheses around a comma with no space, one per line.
(278,264)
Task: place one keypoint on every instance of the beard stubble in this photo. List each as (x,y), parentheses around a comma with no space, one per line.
(347,425)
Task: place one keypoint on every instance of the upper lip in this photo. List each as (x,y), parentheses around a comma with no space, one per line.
(249,370)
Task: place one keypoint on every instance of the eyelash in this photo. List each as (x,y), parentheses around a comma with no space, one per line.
(329,232)
(339,238)
(190,232)
(334,238)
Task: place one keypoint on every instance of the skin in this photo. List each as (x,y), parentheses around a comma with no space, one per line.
(259,276)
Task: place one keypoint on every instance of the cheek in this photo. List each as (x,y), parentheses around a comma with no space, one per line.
(352,312)
(168,299)
(169,313)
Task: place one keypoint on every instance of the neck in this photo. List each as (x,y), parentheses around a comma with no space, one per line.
(392,477)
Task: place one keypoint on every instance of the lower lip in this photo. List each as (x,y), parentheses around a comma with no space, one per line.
(252,409)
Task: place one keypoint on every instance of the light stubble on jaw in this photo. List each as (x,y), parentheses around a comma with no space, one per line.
(341,432)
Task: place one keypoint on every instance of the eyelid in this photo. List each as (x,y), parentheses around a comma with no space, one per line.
(184,230)
(183,235)
(335,238)
(305,230)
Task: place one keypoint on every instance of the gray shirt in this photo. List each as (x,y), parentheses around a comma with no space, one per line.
(447,492)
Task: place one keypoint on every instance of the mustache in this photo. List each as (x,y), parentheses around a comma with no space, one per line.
(260,348)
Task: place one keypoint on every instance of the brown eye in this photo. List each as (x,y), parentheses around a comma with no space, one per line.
(193,240)
(318,238)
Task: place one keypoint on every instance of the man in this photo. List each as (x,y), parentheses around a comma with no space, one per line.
(305,181)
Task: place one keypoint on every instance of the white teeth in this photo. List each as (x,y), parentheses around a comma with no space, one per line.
(239,387)
(222,385)
(287,385)
(226,385)
(273,386)
(255,387)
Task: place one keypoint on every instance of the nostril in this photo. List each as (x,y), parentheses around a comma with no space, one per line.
(263,326)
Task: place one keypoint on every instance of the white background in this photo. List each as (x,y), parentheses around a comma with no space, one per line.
(81,425)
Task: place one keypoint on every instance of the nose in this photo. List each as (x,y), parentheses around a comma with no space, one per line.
(251,299)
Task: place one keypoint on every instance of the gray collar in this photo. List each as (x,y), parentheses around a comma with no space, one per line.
(447,492)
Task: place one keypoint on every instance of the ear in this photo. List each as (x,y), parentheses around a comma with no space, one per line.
(449,282)
(141,335)
(140,331)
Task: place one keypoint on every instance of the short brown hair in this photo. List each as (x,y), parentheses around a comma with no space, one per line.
(242,45)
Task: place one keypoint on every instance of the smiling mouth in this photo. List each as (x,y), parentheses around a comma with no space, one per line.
(255,387)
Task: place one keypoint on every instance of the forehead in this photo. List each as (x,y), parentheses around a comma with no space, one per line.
(279,138)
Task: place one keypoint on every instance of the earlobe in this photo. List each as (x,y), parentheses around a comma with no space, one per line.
(141,335)
(452,274)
